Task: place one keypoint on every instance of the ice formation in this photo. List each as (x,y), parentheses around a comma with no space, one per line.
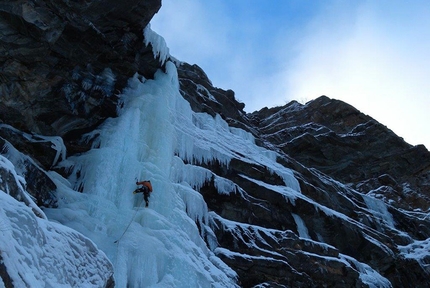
(40,253)
(301,226)
(157,137)
(159,46)
(162,246)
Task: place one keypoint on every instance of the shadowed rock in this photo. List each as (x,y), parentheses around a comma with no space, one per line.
(63,63)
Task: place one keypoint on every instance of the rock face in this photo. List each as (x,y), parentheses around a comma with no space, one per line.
(63,62)
(203,97)
(365,193)
(351,147)
(347,165)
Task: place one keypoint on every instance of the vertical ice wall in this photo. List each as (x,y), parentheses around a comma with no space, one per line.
(162,246)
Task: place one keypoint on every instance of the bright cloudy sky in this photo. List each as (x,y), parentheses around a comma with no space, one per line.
(374,55)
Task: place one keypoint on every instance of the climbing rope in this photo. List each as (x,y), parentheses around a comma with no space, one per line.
(130,221)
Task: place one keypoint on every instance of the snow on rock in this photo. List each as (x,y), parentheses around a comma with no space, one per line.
(419,251)
(40,253)
(31,175)
(369,276)
(57,143)
(289,193)
(13,184)
(259,240)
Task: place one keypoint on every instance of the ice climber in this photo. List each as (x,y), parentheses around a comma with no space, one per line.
(146,189)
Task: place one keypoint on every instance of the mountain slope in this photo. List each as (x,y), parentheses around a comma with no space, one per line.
(310,195)
(370,203)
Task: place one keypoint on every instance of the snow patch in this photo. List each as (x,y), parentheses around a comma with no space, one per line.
(419,251)
(31,249)
(290,194)
(368,275)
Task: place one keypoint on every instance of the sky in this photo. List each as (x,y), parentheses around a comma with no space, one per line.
(374,55)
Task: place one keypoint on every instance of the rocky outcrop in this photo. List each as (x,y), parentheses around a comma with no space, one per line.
(29,253)
(342,142)
(63,63)
(340,231)
(197,89)
(25,151)
(347,165)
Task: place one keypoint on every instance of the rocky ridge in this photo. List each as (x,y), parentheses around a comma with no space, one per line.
(345,162)
(365,192)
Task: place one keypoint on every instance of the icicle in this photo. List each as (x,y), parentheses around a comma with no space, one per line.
(159,47)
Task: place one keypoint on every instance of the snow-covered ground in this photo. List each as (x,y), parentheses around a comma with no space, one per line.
(40,253)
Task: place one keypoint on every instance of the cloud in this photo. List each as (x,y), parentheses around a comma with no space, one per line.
(373,55)
(227,43)
(192,29)
(377,60)
(204,33)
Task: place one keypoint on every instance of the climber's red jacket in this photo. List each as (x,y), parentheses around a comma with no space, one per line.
(145,183)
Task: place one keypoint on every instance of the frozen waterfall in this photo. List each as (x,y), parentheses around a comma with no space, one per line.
(162,246)
(155,130)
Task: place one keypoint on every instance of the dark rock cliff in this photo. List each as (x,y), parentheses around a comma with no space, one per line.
(62,63)
(346,162)
(351,147)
